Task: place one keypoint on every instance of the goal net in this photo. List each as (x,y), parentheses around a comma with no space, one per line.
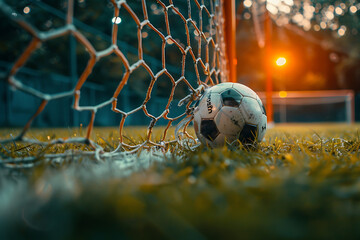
(313,106)
(172,49)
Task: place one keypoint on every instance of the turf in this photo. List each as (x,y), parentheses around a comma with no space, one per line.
(302,182)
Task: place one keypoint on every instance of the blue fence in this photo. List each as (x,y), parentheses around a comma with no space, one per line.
(17,107)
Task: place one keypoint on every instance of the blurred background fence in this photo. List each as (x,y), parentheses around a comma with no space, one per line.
(16,107)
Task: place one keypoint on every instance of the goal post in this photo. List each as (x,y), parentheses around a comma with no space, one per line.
(198,34)
(230,34)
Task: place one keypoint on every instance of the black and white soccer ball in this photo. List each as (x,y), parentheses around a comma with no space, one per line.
(229,112)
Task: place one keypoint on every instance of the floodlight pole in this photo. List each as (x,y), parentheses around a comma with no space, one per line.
(230,37)
(268,68)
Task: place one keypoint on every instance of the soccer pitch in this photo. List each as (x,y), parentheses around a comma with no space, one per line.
(302,182)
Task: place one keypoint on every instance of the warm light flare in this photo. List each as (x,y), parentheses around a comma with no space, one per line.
(26,10)
(281,61)
(247,3)
(353,9)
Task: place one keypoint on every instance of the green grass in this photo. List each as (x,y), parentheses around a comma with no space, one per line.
(303,182)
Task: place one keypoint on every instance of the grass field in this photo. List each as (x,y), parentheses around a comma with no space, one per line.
(303,182)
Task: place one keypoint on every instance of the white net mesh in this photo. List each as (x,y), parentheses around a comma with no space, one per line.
(202,41)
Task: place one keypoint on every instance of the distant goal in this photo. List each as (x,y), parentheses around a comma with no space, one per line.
(313,106)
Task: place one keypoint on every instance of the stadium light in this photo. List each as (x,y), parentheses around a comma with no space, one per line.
(281,61)
(26,10)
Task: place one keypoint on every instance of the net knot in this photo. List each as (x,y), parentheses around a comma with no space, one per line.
(195,95)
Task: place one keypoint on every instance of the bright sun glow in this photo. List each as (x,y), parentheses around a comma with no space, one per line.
(281,61)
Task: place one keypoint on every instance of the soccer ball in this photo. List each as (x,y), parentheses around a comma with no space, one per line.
(229,112)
